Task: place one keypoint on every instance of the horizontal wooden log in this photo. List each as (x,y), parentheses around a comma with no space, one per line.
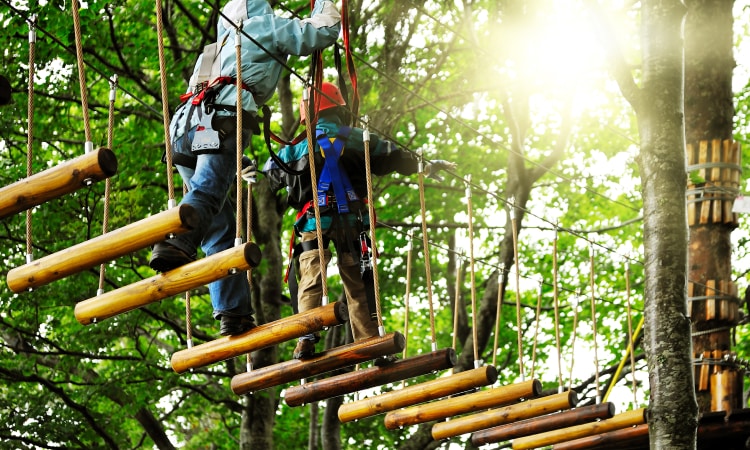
(370,377)
(620,421)
(463,404)
(418,393)
(57,181)
(541,424)
(101,249)
(336,358)
(260,337)
(499,416)
(181,279)
(617,438)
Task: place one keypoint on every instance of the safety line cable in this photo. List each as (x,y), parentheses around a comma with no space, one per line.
(30,128)
(371,212)
(108,181)
(426,253)
(472,272)
(165,104)
(82,76)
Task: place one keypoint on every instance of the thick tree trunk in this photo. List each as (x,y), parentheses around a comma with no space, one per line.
(673,409)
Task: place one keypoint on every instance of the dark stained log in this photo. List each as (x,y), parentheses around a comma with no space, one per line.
(101,249)
(260,337)
(541,424)
(336,358)
(370,377)
(624,436)
(62,179)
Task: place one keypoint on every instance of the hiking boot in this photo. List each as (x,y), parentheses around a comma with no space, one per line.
(166,257)
(386,360)
(305,348)
(234,325)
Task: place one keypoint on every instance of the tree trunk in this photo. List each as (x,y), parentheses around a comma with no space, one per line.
(673,409)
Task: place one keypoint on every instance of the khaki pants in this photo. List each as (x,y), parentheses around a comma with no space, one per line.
(310,291)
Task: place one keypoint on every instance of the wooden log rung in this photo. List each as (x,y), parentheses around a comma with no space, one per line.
(621,438)
(449,407)
(536,425)
(101,249)
(370,377)
(418,393)
(181,279)
(620,421)
(508,414)
(336,358)
(57,181)
(260,337)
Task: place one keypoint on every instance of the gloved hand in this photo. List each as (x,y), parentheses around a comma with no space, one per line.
(249,171)
(432,168)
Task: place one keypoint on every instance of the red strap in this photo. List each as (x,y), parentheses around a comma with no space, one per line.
(349,58)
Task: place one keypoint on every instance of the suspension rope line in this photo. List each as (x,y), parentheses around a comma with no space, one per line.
(457,304)
(89,145)
(536,328)
(165,103)
(514,232)
(371,212)
(498,312)
(574,306)
(593,325)
(238,135)
(108,181)
(30,128)
(474,321)
(556,301)
(426,250)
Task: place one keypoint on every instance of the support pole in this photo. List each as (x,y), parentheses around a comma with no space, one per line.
(370,377)
(103,248)
(260,337)
(336,358)
(618,422)
(418,393)
(453,406)
(541,424)
(508,414)
(181,279)
(62,179)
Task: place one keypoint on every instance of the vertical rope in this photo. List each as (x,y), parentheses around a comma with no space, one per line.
(238,88)
(631,336)
(371,212)
(164,103)
(407,295)
(249,235)
(456,304)
(536,328)
(556,300)
(498,312)
(314,185)
(188,301)
(574,305)
(593,322)
(426,251)
(518,287)
(30,128)
(474,322)
(108,182)
(89,146)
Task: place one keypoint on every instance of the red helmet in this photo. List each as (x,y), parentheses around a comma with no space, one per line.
(329,98)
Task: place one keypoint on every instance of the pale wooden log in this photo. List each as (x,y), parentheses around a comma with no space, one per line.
(181,279)
(704,204)
(711,301)
(620,421)
(336,358)
(371,377)
(418,393)
(260,337)
(57,181)
(449,407)
(101,249)
(690,295)
(691,205)
(507,414)
(610,440)
(541,424)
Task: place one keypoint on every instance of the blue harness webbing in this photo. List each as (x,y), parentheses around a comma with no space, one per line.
(332,174)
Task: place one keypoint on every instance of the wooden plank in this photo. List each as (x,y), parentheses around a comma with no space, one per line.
(181,279)
(101,249)
(703,205)
(716,176)
(499,416)
(690,295)
(705,371)
(260,337)
(336,358)
(453,406)
(624,420)
(710,301)
(371,377)
(609,440)
(536,425)
(57,181)
(418,393)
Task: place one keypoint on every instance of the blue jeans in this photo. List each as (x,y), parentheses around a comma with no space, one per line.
(209,184)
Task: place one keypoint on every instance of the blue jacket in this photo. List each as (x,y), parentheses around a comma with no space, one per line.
(260,71)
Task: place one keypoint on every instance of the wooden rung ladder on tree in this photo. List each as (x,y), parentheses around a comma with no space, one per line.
(618,422)
(181,279)
(336,358)
(507,414)
(714,170)
(57,181)
(260,337)
(449,407)
(370,377)
(418,393)
(101,249)
(536,425)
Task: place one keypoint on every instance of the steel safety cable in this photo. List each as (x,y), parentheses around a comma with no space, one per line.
(514,231)
(89,145)
(165,103)
(472,272)
(30,129)
(426,251)
(108,181)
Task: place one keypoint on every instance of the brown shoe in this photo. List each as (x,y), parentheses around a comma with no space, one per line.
(386,360)
(305,348)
